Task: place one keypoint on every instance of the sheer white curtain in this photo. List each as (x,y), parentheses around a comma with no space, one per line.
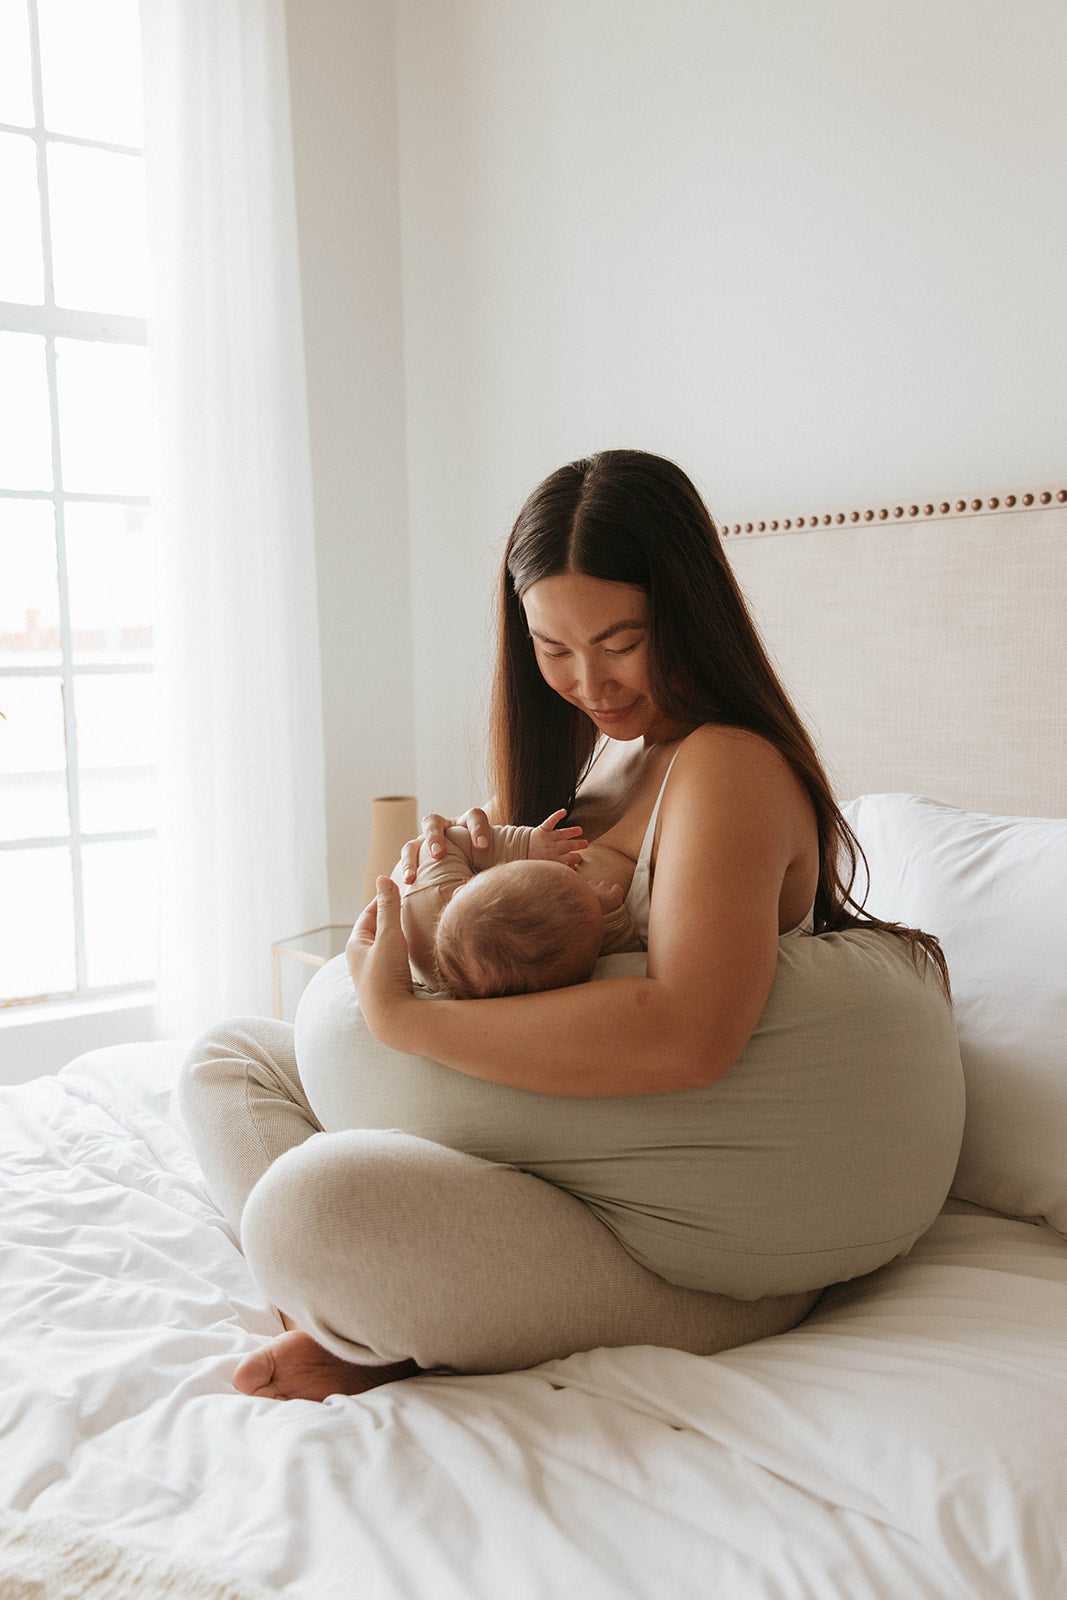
(242,832)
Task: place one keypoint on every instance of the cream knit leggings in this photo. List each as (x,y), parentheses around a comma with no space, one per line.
(385,1247)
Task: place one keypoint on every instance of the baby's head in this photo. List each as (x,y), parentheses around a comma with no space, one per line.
(517,928)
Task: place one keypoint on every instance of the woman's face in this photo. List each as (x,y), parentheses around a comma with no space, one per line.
(590,638)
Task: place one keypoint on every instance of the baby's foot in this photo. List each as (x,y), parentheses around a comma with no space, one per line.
(294,1367)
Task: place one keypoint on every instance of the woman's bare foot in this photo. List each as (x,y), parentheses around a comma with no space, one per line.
(294,1367)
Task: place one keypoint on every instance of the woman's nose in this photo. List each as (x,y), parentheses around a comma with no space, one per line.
(593,679)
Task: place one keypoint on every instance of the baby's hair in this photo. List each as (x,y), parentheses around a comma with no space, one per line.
(516,929)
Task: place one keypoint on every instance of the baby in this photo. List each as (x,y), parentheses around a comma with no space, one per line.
(518,917)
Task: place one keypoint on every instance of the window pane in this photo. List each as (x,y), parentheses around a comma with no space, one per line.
(16,89)
(25,421)
(21,262)
(104,427)
(36,923)
(119,890)
(116,751)
(99,250)
(110,582)
(91,67)
(33,785)
(29,591)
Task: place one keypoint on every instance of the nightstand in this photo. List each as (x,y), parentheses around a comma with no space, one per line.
(296,959)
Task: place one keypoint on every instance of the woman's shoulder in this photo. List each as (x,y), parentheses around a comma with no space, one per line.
(728,750)
(734,808)
(727,768)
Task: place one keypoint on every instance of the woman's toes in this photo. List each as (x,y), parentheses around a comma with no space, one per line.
(255,1372)
(294,1367)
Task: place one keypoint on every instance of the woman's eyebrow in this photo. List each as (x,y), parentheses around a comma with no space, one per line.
(608,633)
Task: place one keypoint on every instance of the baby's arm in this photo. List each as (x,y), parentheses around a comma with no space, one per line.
(620,933)
(436,880)
(438,877)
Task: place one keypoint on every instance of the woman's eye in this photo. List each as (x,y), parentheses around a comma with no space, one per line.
(626,649)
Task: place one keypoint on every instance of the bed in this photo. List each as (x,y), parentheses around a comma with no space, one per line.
(907,1442)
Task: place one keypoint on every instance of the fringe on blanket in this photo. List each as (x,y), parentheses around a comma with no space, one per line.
(52,1558)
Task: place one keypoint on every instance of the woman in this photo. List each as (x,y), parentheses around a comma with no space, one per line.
(682,1153)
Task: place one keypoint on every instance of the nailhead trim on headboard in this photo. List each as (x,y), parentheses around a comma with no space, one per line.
(900,513)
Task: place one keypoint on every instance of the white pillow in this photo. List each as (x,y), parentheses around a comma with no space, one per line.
(994,891)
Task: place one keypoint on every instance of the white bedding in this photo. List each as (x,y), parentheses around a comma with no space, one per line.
(909,1442)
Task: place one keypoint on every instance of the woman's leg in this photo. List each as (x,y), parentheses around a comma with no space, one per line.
(396,1253)
(388,1249)
(243,1105)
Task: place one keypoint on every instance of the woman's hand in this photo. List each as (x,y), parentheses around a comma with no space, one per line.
(549,843)
(433,835)
(377,956)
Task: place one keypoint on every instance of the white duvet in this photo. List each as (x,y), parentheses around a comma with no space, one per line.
(909,1442)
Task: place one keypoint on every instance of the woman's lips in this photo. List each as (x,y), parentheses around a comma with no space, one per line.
(615,715)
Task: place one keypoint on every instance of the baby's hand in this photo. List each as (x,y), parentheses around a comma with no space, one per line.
(610,895)
(549,843)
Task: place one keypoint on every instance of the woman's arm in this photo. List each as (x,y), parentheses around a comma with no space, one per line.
(733,819)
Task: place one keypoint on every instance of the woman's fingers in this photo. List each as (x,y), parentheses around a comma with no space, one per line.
(477,825)
(409,859)
(386,902)
(433,837)
(377,951)
(366,925)
(393,972)
(433,832)
(361,939)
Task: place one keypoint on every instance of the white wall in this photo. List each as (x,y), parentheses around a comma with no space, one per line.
(812,249)
(343,96)
(35,1040)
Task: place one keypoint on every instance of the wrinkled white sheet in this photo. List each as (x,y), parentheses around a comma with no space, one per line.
(909,1442)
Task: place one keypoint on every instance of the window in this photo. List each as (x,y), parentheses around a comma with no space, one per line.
(77,868)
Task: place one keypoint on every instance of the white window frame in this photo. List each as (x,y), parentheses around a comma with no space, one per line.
(39,1032)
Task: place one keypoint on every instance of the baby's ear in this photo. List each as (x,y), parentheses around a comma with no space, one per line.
(610,895)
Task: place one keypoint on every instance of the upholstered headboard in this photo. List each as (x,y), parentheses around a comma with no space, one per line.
(925,644)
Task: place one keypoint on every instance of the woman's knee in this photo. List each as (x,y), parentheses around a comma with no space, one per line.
(236,1038)
(340,1202)
(224,1055)
(214,1050)
(349,1234)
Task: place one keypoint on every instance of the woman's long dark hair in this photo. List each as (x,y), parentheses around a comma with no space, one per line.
(629,517)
